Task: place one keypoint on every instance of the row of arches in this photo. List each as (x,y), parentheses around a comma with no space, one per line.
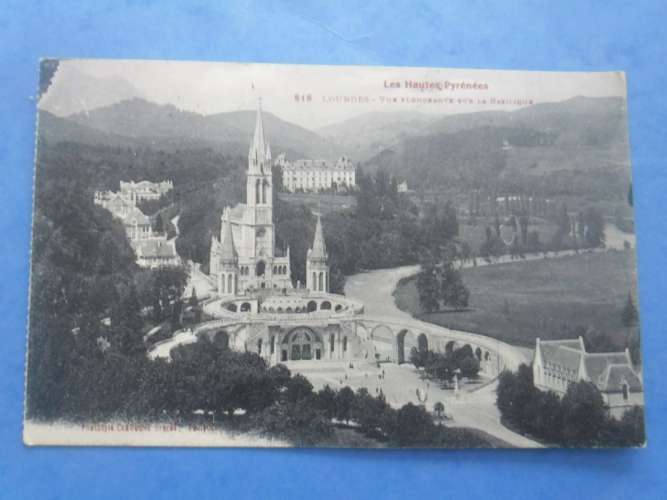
(405,340)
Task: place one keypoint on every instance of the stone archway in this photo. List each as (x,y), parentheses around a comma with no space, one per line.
(260,268)
(221,339)
(405,341)
(422,342)
(383,340)
(312,306)
(301,343)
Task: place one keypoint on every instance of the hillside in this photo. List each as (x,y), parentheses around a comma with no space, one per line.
(231,132)
(578,121)
(576,147)
(364,136)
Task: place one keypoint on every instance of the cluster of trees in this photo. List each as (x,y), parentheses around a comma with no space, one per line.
(409,426)
(385,228)
(444,366)
(578,419)
(583,230)
(439,282)
(160,291)
(104,167)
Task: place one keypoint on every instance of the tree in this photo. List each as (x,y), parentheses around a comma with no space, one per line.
(418,357)
(344,400)
(439,409)
(583,414)
(629,314)
(514,392)
(428,288)
(280,376)
(127,322)
(298,388)
(367,411)
(414,427)
(326,401)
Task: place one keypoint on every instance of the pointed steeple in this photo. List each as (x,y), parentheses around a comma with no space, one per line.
(259,151)
(319,250)
(227,250)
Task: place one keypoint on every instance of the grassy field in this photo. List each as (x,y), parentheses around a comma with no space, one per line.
(520,301)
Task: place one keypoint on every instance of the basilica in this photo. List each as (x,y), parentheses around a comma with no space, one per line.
(244,259)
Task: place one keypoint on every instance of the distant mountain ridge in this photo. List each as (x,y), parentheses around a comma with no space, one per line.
(143,120)
(84,92)
(580,120)
(575,146)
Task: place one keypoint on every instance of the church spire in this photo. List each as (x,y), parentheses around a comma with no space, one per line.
(319,250)
(259,150)
(227,250)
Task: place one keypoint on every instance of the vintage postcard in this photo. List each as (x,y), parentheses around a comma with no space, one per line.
(283,255)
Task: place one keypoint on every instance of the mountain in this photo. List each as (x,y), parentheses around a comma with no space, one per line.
(80,92)
(230,132)
(578,121)
(363,136)
(578,146)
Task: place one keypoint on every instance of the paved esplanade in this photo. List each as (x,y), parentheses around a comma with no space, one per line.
(467,409)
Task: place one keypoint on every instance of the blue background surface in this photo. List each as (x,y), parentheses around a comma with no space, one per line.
(564,35)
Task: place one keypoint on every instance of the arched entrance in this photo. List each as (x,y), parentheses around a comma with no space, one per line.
(260,268)
(301,344)
(405,341)
(383,342)
(221,339)
(422,342)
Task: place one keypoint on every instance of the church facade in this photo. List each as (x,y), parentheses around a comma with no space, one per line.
(244,259)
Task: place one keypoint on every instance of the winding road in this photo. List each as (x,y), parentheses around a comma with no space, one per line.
(475,409)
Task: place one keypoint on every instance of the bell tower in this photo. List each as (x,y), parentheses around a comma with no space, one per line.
(259,193)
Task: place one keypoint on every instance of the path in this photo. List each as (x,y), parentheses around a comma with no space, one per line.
(466,409)
(470,409)
(174,221)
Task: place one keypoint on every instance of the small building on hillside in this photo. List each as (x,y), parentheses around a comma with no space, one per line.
(156,252)
(137,225)
(134,192)
(558,363)
(152,250)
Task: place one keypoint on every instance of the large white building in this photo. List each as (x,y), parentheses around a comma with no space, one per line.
(245,258)
(558,363)
(317,175)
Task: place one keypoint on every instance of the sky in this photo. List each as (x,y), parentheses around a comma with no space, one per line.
(315,96)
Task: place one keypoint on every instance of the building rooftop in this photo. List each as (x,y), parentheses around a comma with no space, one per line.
(155,248)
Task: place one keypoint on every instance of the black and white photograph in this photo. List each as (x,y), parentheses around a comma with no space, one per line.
(266,255)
